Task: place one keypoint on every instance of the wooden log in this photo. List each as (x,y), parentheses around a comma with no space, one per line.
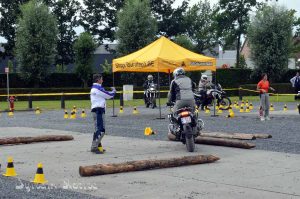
(219,142)
(239,136)
(224,142)
(42,138)
(262,136)
(140,165)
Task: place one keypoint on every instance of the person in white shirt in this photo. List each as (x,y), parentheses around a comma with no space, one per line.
(296,82)
(98,104)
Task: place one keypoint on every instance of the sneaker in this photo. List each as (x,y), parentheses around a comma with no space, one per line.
(262,119)
(268,118)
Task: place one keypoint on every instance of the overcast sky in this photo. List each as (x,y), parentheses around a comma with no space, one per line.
(290,4)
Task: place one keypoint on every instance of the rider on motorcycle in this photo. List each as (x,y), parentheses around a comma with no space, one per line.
(203,86)
(181,91)
(146,85)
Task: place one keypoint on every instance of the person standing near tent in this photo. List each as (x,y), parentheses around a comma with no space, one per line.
(181,91)
(263,86)
(296,82)
(98,105)
(203,85)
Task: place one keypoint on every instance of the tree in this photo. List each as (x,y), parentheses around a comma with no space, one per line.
(184,41)
(136,26)
(233,19)
(270,39)
(67,19)
(9,12)
(201,27)
(100,17)
(84,47)
(36,37)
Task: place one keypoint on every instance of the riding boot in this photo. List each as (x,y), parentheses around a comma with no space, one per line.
(94,146)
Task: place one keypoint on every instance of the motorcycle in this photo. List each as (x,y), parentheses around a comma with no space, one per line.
(150,96)
(186,126)
(215,93)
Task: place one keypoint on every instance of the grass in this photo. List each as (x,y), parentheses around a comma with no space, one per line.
(55,104)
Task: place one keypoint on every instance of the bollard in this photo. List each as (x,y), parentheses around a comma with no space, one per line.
(62,101)
(30,101)
(240,94)
(121,100)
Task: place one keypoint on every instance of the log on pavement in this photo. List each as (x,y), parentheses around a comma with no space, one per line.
(224,142)
(219,142)
(140,165)
(239,136)
(262,136)
(26,140)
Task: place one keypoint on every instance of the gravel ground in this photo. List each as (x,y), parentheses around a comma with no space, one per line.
(283,128)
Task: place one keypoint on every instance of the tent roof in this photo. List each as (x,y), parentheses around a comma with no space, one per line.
(163,55)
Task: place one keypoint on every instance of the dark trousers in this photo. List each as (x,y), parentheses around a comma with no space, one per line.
(98,115)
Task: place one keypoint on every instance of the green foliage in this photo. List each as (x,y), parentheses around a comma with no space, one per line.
(84,48)
(184,41)
(200,26)
(233,78)
(9,12)
(10,65)
(67,19)
(232,22)
(242,62)
(36,37)
(136,26)
(106,67)
(270,38)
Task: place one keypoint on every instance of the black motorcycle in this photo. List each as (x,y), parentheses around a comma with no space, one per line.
(186,126)
(215,93)
(150,96)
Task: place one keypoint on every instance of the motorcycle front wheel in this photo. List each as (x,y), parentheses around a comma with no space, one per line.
(225,102)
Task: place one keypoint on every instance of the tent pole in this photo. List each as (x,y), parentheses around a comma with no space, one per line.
(169,79)
(114,97)
(158,86)
(214,115)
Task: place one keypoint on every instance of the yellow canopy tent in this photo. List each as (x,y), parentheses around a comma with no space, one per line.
(163,55)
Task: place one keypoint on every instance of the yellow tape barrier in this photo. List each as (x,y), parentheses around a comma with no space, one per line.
(130,92)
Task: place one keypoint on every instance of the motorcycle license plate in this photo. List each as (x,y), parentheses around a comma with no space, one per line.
(186,120)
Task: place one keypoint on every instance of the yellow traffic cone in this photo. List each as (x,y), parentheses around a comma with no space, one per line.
(39,177)
(243,104)
(285,108)
(83,114)
(148,131)
(66,115)
(251,106)
(242,109)
(121,109)
(135,111)
(272,107)
(37,111)
(247,109)
(73,115)
(10,170)
(74,109)
(10,113)
(231,113)
(207,110)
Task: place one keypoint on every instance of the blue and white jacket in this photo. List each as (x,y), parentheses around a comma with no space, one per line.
(99,96)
